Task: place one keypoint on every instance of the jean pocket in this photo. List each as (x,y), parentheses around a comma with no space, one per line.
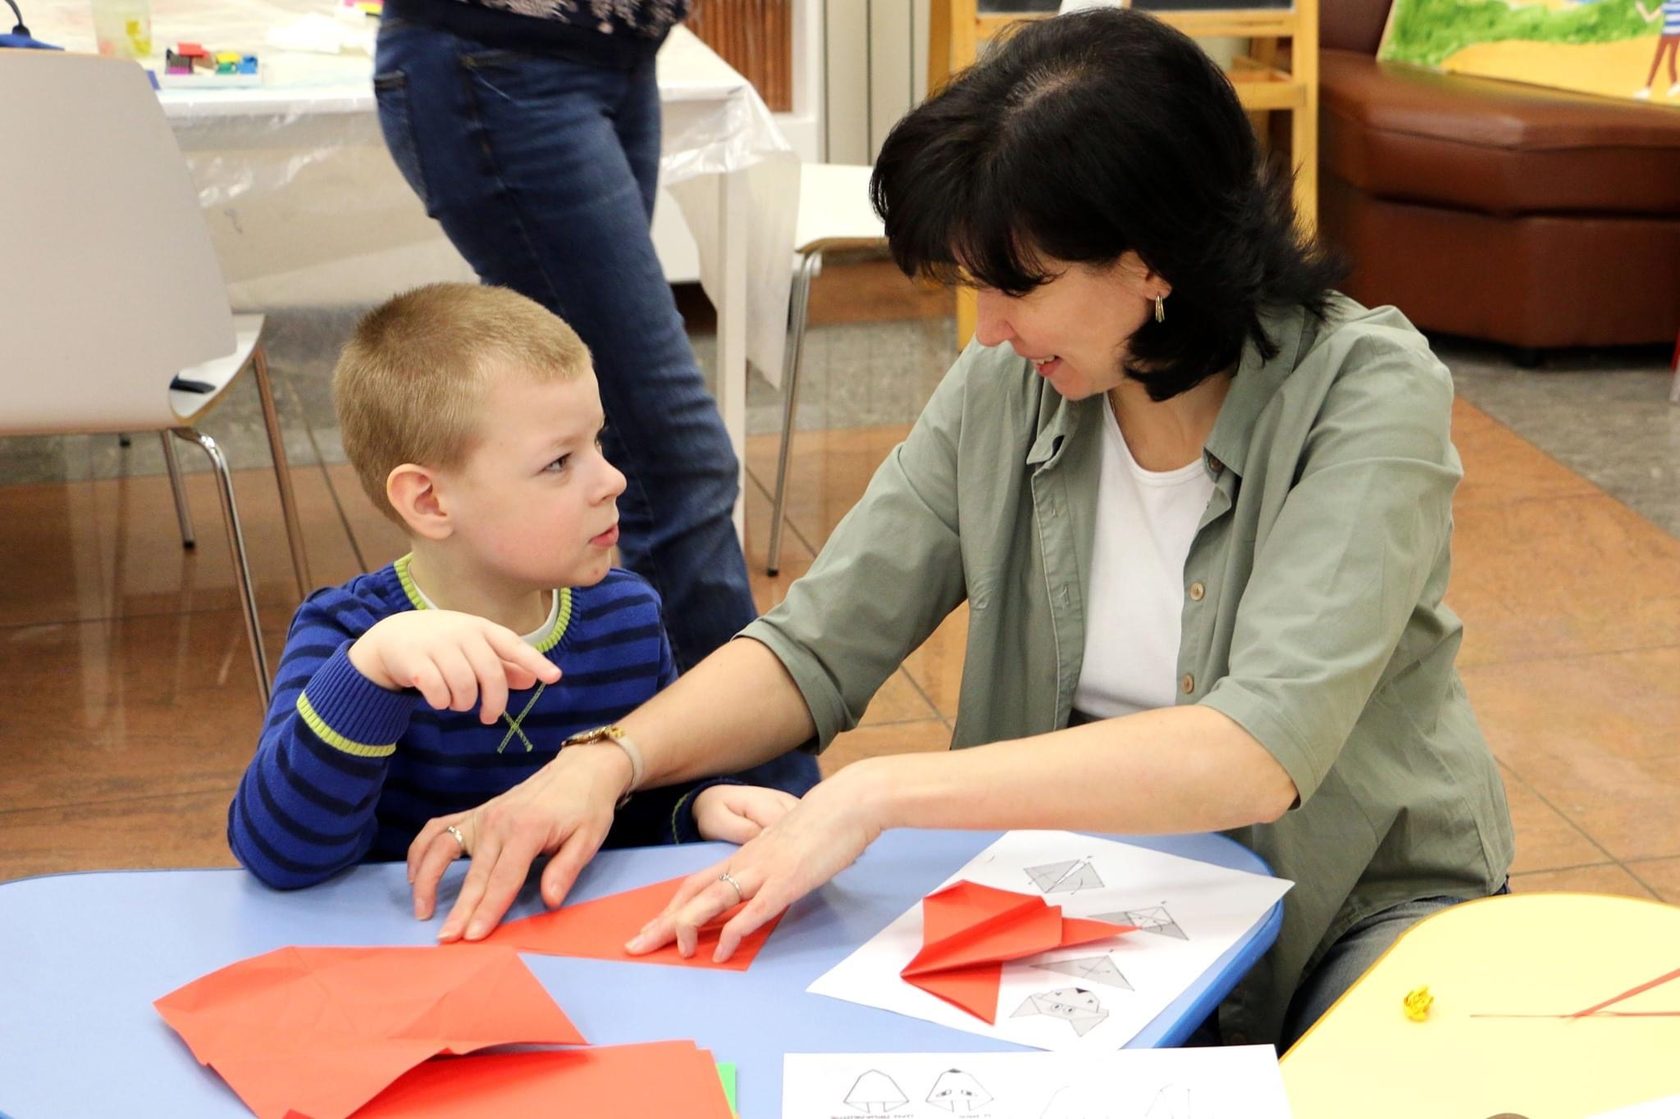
(396,122)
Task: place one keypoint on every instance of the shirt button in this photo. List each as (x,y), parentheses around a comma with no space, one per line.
(1188,683)
(1197,591)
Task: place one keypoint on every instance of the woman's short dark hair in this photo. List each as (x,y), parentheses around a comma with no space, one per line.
(1080,137)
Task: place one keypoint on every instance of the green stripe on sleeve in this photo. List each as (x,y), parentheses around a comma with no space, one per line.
(314,722)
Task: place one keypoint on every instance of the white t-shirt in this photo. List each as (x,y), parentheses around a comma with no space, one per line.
(1144,525)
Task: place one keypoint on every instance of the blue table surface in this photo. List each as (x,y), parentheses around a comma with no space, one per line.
(82,956)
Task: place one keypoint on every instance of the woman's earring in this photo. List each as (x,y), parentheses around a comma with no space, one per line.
(1160,308)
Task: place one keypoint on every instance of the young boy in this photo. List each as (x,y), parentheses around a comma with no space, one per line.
(428,687)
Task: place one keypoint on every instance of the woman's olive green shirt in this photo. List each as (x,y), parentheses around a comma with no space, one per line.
(1312,611)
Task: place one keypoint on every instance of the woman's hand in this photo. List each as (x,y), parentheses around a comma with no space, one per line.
(819,837)
(563,810)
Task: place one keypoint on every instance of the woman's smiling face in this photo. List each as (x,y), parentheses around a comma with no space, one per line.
(1075,327)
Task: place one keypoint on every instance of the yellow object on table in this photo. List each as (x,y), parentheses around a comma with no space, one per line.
(1552,1006)
(1417,1004)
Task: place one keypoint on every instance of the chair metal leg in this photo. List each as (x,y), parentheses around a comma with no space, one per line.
(236,545)
(798,313)
(282,471)
(183,511)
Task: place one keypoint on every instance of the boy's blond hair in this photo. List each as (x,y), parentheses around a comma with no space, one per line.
(412,379)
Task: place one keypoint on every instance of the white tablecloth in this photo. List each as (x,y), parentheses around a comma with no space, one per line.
(307,209)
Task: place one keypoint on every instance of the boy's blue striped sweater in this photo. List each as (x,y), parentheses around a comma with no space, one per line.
(347,771)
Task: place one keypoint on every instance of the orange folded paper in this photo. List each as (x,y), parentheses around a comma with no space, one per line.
(317,1032)
(664,1078)
(969,931)
(598,930)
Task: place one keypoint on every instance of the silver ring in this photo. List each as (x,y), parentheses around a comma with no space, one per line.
(730,878)
(455,833)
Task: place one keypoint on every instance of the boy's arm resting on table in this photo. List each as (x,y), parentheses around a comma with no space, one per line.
(304,809)
(346,693)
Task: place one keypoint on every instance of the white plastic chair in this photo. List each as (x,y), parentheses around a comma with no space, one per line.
(111,288)
(834,213)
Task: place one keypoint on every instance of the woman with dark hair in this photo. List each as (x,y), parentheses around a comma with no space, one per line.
(1199,506)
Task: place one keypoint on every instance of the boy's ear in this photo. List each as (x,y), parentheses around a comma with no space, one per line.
(413,492)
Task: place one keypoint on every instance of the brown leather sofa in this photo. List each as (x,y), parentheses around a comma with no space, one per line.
(1522,215)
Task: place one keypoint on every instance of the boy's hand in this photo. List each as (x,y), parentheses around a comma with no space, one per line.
(455,660)
(737,813)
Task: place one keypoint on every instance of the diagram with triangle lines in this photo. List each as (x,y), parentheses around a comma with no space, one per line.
(1065,877)
(1154,919)
(1092,969)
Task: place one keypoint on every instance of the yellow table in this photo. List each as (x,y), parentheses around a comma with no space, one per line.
(1506,1034)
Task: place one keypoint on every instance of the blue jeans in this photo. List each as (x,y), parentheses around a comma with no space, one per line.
(542,172)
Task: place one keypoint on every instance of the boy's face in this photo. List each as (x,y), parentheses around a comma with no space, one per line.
(536,502)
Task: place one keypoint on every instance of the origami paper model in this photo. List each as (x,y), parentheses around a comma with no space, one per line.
(658,1079)
(969,931)
(598,930)
(1076,1006)
(318,1032)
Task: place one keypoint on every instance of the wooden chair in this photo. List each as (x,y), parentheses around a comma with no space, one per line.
(1266,80)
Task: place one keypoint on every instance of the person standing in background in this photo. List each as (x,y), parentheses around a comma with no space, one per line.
(531,131)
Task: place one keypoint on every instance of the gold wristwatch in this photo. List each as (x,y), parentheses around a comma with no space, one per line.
(613,733)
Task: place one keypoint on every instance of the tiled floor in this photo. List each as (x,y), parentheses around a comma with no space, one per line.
(132,709)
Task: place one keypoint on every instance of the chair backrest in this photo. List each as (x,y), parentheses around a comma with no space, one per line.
(834,207)
(110,285)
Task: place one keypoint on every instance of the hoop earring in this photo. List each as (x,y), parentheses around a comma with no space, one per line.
(1160,308)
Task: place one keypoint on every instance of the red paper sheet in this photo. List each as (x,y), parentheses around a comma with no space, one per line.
(598,930)
(657,1080)
(969,931)
(317,1032)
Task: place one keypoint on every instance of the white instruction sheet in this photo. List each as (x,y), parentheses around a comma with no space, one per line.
(1234,1082)
(1090,998)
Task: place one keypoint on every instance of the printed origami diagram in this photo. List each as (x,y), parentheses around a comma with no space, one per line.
(1171,1102)
(1092,969)
(876,1093)
(1076,1006)
(956,1090)
(969,931)
(1154,919)
(1065,877)
(1083,1101)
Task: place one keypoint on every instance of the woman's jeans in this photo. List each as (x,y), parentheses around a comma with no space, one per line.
(542,172)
